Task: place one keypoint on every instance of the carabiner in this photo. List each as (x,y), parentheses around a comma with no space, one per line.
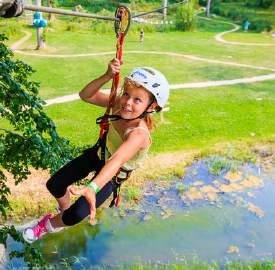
(123,15)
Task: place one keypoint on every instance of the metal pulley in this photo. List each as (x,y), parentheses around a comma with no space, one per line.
(123,15)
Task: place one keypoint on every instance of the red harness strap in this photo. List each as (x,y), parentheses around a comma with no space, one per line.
(104,125)
(121,28)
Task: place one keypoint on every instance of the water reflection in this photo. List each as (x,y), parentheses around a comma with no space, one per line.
(218,211)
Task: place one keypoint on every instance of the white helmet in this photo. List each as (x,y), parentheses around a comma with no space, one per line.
(153,81)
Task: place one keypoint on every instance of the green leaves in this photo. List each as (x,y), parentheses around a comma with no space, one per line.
(31,140)
(32,256)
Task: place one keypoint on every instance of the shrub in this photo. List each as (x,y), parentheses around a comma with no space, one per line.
(71,26)
(234,14)
(219,10)
(259,3)
(202,3)
(185,19)
(260,25)
(10,28)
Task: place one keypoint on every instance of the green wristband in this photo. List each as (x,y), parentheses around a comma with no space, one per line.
(94,186)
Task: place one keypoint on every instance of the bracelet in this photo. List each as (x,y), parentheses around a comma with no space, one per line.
(94,186)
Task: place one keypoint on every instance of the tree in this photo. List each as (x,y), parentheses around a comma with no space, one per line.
(28,137)
(208,6)
(260,3)
(185,16)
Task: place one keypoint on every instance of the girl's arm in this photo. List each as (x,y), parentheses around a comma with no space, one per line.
(90,93)
(136,140)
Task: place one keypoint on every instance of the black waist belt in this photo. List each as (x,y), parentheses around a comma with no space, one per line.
(118,179)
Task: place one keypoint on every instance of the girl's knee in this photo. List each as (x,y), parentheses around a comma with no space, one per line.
(55,188)
(51,185)
(76,213)
(71,218)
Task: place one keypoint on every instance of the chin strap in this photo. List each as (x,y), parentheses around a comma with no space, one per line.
(107,118)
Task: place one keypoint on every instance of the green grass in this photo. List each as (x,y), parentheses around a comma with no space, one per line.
(12,29)
(61,76)
(197,265)
(194,264)
(251,38)
(196,43)
(206,25)
(259,13)
(198,118)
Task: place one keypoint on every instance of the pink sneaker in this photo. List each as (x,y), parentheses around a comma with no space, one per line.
(34,233)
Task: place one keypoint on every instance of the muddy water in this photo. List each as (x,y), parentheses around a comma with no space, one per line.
(218,211)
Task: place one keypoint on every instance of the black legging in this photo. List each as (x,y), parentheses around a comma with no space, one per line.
(76,170)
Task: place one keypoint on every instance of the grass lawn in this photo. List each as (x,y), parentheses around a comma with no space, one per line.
(198,118)
(61,76)
(251,38)
(200,42)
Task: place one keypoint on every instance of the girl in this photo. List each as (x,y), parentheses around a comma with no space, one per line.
(145,91)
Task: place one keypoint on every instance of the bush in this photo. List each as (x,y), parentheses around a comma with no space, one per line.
(219,10)
(10,28)
(71,26)
(235,14)
(185,17)
(202,3)
(267,3)
(260,25)
(259,3)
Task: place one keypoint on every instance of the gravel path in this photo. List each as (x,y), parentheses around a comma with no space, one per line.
(218,37)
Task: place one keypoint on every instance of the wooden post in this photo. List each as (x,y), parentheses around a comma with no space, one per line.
(39,31)
(50,15)
(164,11)
(208,6)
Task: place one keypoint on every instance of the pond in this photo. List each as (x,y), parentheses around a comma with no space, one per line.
(220,210)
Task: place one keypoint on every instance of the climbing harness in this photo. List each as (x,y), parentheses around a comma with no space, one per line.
(121,27)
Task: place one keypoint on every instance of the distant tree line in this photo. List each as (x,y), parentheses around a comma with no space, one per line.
(248,3)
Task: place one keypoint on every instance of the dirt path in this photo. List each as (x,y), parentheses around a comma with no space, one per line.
(18,43)
(73,97)
(69,98)
(219,37)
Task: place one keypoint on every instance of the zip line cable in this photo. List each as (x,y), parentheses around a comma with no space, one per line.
(68,12)
(15,8)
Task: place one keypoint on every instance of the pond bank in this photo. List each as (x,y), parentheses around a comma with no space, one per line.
(31,199)
(191,200)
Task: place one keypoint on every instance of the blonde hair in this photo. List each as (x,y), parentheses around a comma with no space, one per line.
(149,120)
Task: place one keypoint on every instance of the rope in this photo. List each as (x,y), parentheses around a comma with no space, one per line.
(123,14)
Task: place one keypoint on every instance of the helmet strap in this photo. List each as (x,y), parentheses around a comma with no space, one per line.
(115,117)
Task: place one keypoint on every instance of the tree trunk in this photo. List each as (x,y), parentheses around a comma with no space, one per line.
(50,15)
(208,8)
(39,31)
(164,11)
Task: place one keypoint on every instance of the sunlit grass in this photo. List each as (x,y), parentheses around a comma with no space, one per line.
(197,118)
